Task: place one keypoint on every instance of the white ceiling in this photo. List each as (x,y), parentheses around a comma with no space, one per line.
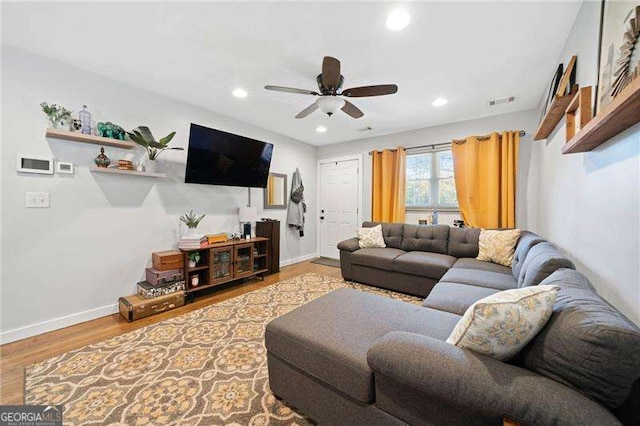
(199,52)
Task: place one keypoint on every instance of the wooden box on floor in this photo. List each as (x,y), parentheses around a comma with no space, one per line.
(135,306)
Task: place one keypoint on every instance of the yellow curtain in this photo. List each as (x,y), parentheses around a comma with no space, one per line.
(485,171)
(389,185)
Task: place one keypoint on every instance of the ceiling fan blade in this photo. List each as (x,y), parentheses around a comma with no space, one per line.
(291,90)
(330,72)
(379,90)
(352,110)
(308,110)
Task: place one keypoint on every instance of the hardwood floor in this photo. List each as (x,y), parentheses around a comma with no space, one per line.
(14,357)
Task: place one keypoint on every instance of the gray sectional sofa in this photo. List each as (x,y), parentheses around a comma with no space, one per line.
(354,358)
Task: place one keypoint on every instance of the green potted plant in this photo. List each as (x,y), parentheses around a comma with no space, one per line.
(143,137)
(57,114)
(194,258)
(192,221)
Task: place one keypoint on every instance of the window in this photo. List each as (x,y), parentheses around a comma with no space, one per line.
(430,182)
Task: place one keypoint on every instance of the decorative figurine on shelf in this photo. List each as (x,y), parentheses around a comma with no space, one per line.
(110,130)
(57,114)
(75,125)
(195,280)
(85,119)
(434,217)
(102,160)
(143,137)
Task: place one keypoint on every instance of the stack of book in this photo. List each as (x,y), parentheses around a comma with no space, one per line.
(190,242)
(125,165)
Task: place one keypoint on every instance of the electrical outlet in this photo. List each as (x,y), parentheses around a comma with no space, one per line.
(37,200)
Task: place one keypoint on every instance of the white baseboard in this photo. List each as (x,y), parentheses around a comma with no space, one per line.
(56,324)
(298,259)
(73,319)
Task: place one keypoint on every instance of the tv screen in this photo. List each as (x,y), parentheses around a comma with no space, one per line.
(220,158)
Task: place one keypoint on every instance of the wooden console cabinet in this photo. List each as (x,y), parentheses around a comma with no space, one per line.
(221,263)
(271,229)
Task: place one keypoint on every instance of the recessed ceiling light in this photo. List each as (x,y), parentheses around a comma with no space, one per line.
(398,20)
(240,93)
(439,102)
(321,129)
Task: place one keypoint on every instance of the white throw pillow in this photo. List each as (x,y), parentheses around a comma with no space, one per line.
(502,324)
(371,237)
(498,246)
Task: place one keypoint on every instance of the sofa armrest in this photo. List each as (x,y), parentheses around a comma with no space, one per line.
(480,384)
(352,244)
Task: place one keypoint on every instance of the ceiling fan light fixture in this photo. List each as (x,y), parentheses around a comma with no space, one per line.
(398,20)
(330,104)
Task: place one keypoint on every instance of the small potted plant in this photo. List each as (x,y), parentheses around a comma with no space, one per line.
(192,221)
(57,114)
(143,137)
(194,258)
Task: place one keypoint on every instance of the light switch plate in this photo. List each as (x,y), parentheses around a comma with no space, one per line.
(37,200)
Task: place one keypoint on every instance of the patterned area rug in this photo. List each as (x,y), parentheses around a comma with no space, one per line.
(207,367)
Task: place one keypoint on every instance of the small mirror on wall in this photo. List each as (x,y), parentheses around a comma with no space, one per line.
(275,194)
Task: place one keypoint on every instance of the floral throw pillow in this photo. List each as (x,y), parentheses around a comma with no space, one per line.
(502,324)
(371,237)
(498,246)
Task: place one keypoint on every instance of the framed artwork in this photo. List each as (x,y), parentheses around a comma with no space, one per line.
(553,87)
(619,56)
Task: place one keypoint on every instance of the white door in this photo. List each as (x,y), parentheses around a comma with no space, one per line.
(339,203)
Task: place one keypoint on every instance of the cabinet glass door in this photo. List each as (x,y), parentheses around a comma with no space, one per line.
(221,265)
(244,260)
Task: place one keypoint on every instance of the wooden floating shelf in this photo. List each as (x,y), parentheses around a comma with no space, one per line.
(92,139)
(554,114)
(126,172)
(622,113)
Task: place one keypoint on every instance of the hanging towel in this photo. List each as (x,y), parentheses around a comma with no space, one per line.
(297,207)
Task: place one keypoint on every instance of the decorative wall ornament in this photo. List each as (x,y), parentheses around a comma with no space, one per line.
(619,61)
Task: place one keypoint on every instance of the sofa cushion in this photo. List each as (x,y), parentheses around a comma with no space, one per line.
(526,241)
(587,344)
(381,258)
(502,324)
(371,237)
(455,298)
(542,260)
(466,263)
(392,232)
(487,279)
(431,238)
(463,242)
(423,263)
(498,246)
(328,338)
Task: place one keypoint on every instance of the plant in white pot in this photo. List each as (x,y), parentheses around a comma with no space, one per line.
(143,137)
(192,221)
(194,258)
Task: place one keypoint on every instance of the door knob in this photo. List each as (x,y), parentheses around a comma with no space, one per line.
(321,217)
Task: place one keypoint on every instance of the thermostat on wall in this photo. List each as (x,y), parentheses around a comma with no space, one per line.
(63,167)
(35,164)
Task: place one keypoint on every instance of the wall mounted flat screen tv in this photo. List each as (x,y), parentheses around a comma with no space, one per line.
(220,158)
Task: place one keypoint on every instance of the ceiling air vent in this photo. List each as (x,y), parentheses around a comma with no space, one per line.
(500,101)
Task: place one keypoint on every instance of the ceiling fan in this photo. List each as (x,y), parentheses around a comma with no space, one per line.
(329,85)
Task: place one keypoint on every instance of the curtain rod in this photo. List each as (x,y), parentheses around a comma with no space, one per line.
(433,145)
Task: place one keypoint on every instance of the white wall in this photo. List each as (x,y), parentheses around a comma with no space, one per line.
(71,262)
(589,204)
(524,120)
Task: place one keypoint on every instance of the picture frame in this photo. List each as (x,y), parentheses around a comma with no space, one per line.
(618,60)
(553,87)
